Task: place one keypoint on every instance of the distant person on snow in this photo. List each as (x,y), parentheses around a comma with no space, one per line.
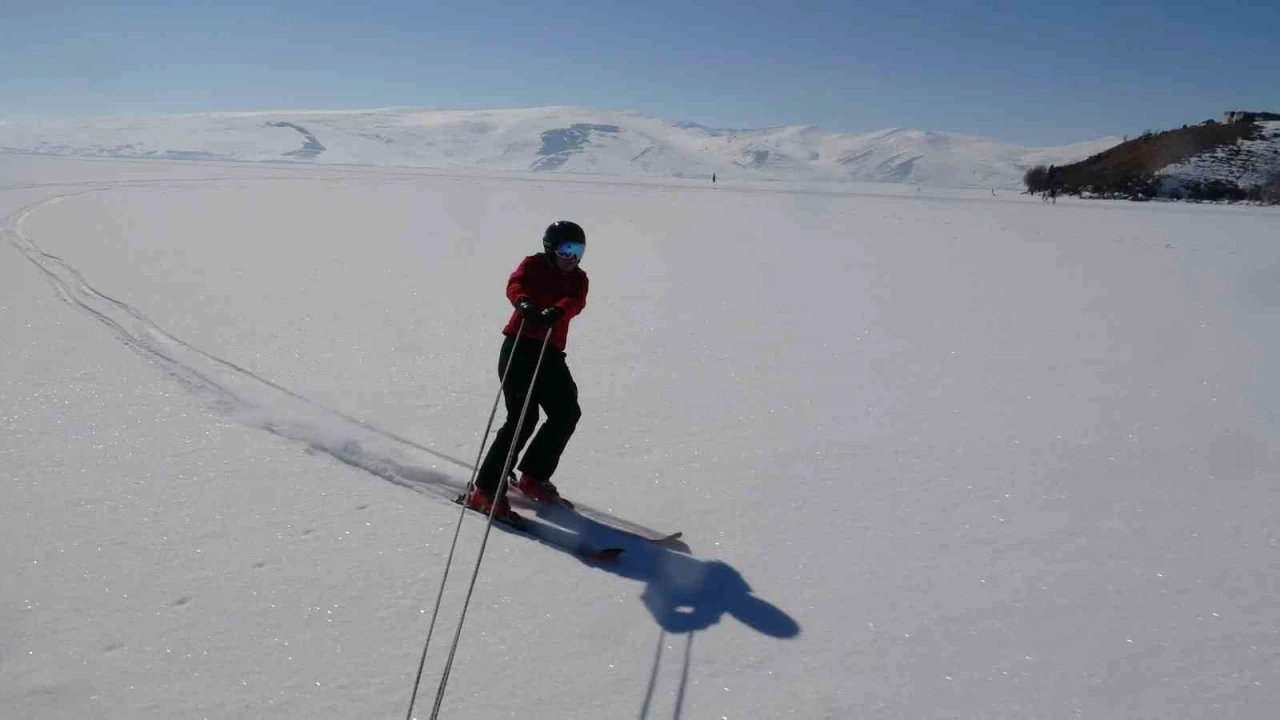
(547,290)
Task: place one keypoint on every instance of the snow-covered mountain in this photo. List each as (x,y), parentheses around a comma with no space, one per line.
(1246,163)
(549,139)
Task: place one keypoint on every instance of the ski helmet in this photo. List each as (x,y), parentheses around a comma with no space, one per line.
(561,232)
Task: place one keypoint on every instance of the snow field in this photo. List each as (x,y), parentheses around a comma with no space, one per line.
(935,455)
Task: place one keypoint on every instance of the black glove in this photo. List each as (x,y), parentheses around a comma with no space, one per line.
(527,309)
(551,315)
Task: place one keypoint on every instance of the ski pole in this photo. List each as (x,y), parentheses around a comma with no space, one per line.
(484,541)
(502,384)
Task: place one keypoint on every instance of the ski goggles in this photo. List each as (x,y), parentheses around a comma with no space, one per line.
(571,250)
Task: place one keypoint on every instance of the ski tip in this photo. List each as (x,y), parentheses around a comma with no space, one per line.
(673,543)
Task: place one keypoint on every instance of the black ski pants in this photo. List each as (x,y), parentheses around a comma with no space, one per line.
(555,393)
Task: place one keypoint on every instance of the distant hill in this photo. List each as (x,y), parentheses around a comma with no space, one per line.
(550,139)
(1234,160)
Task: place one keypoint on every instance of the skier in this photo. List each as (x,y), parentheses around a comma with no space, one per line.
(546,290)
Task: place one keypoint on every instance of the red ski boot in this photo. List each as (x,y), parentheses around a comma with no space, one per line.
(479,500)
(539,491)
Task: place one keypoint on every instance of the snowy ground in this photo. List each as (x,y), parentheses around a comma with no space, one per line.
(936,454)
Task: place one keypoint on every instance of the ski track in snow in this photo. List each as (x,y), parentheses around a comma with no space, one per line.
(238,391)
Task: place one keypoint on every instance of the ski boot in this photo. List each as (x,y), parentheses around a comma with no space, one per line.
(538,490)
(480,501)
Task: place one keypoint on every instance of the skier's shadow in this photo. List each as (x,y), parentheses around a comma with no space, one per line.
(684,594)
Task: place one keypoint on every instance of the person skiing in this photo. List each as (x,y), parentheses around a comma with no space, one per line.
(546,290)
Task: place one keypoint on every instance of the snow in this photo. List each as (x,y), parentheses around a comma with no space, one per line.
(935,454)
(552,139)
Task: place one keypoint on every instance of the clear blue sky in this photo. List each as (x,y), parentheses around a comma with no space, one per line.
(1032,72)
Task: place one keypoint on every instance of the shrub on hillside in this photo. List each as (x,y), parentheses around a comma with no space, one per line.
(1268,192)
(1215,191)
(1036,179)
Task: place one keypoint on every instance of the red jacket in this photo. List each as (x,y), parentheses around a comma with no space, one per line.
(545,285)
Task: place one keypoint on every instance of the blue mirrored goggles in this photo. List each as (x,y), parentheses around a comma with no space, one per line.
(571,250)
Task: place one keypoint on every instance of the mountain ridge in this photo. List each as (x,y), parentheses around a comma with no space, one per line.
(548,139)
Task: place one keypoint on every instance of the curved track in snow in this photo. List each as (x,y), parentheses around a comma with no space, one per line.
(239,391)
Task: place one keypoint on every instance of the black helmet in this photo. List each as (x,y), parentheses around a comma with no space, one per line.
(561,232)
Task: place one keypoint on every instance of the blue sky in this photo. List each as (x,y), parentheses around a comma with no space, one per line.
(1030,72)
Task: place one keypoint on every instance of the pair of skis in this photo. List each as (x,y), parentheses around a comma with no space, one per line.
(570,542)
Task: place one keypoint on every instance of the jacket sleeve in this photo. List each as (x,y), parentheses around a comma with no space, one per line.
(575,302)
(517,288)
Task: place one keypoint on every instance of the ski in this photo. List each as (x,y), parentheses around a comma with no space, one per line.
(550,536)
(642,535)
(623,527)
(654,538)
(668,539)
